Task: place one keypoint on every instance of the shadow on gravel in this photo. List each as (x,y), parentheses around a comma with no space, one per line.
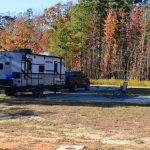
(138,91)
(130,92)
(43,101)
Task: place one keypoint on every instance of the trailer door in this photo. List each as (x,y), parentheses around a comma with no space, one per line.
(56,75)
(29,72)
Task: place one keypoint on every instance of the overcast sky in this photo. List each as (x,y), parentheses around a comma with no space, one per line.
(16,6)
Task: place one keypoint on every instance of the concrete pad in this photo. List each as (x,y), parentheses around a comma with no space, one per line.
(71,147)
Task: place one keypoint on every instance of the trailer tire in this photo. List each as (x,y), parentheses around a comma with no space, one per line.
(55,89)
(37,92)
(55,92)
(10,92)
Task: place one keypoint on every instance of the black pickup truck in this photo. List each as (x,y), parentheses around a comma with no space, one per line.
(76,79)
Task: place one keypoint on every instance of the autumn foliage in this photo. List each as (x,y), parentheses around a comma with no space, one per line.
(106,39)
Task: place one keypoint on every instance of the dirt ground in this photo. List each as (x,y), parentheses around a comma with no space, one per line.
(44,124)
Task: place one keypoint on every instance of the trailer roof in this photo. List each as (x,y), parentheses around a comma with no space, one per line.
(18,51)
(46,55)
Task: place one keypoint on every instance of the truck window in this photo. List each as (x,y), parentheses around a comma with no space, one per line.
(41,68)
(1,66)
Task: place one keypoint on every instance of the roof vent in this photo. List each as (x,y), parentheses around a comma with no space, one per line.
(45,53)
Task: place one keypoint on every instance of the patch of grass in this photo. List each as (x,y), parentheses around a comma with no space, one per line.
(120,82)
(12,123)
(139,83)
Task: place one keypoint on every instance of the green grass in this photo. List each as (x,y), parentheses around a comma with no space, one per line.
(120,82)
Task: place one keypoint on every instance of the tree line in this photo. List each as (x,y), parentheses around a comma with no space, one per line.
(102,38)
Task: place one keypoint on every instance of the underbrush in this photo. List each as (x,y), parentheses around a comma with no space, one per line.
(120,82)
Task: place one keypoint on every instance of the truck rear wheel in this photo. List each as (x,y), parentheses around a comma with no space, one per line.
(87,87)
(74,88)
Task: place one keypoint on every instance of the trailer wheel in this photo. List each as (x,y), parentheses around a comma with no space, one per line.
(10,92)
(37,92)
(55,89)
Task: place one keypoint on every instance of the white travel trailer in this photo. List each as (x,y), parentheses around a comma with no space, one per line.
(21,70)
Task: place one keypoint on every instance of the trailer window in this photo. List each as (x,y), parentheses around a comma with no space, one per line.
(1,66)
(41,68)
